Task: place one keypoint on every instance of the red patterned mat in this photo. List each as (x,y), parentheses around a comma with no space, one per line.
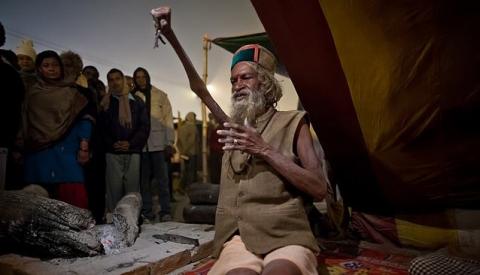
(364,259)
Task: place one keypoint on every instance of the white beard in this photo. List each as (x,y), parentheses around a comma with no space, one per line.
(246,110)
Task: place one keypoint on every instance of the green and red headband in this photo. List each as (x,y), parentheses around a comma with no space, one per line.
(256,54)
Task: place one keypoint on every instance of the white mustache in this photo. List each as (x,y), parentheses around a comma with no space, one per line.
(243,92)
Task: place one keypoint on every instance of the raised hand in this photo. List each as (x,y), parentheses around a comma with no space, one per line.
(161,17)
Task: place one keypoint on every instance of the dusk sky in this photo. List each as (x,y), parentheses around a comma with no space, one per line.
(120,34)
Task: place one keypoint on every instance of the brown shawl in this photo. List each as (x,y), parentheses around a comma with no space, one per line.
(124,112)
(49,111)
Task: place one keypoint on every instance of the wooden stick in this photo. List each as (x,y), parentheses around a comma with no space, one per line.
(161,18)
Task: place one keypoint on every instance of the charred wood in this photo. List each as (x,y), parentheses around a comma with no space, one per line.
(49,227)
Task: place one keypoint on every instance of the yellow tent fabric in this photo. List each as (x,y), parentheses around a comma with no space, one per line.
(413,69)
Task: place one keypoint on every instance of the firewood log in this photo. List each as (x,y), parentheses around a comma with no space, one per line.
(46,225)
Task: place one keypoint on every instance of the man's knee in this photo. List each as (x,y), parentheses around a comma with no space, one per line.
(281,266)
(241,271)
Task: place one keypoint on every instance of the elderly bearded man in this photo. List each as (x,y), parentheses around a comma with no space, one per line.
(268,167)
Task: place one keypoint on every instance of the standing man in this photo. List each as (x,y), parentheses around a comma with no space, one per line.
(158,148)
(269,167)
(125,131)
(188,144)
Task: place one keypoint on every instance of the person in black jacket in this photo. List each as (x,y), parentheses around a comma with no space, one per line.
(125,127)
(95,168)
(13,92)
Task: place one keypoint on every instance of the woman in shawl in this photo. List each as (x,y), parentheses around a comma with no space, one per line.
(57,123)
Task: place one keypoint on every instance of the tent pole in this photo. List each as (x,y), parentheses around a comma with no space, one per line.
(206,46)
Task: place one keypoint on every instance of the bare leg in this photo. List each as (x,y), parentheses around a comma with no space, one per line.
(284,267)
(241,271)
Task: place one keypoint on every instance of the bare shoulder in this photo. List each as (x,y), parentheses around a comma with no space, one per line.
(304,145)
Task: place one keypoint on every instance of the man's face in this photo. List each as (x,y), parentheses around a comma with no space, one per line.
(141,79)
(90,73)
(50,68)
(25,62)
(244,79)
(115,81)
(247,99)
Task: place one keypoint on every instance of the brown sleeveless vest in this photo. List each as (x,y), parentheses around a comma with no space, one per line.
(256,200)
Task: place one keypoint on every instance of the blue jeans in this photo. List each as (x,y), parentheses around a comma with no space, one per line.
(154,175)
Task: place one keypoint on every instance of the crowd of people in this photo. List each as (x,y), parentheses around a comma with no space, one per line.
(88,143)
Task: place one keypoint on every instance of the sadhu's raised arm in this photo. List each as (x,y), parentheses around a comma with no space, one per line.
(161,17)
